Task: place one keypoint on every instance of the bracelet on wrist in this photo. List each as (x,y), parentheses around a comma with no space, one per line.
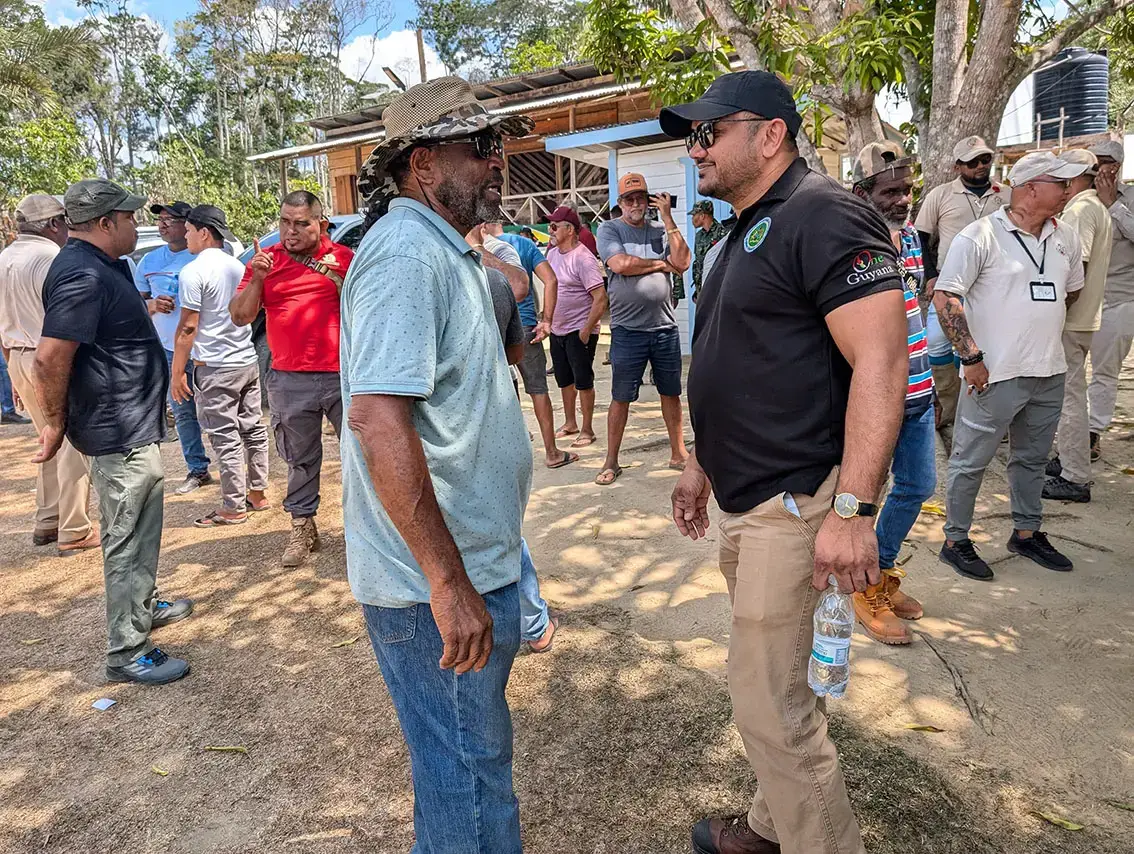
(975,359)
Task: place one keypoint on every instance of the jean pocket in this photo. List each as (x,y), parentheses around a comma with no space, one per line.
(391,625)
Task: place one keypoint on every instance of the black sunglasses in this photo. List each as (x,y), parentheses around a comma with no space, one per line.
(705,134)
(486,144)
(983,160)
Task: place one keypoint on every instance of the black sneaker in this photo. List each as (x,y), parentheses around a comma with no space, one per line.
(166,612)
(1058,489)
(1039,548)
(963,557)
(155,668)
(193,481)
(14,418)
(1054,467)
(1096,448)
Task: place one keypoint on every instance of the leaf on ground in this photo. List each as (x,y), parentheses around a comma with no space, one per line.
(347,642)
(637,587)
(933,508)
(1128,470)
(32,641)
(227,748)
(161,772)
(594,532)
(924,728)
(1119,805)
(1057,821)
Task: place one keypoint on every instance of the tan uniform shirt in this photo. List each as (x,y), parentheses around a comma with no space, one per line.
(23,267)
(1090,218)
(1120,279)
(948,208)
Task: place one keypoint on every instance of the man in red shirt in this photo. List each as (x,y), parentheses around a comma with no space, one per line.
(297,282)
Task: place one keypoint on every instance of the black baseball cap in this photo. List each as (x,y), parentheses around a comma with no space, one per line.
(759,92)
(177,209)
(211,217)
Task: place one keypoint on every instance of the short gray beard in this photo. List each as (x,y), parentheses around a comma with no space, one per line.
(467,205)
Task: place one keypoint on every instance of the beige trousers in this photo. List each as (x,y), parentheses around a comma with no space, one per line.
(1072,442)
(767,558)
(63,485)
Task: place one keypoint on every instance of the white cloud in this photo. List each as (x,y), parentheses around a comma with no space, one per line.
(363,57)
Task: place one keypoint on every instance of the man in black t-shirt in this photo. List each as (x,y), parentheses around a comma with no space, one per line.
(796,392)
(101,380)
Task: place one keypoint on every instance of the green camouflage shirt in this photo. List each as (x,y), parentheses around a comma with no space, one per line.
(705,241)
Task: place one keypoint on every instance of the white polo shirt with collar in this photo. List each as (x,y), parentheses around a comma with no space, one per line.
(992,264)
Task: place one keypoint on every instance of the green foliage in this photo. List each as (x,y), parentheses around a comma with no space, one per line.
(532,57)
(40,155)
(29,52)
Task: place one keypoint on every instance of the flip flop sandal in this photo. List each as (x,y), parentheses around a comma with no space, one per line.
(677,468)
(617,472)
(216,520)
(568,458)
(583,441)
(562,433)
(550,643)
(248,505)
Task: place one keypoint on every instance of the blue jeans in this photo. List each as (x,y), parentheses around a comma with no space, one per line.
(7,405)
(458,728)
(632,349)
(533,610)
(188,430)
(915,479)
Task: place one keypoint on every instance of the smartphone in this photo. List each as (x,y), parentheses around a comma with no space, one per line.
(652,212)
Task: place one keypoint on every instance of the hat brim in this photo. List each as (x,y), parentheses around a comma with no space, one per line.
(678,121)
(976,152)
(374,169)
(1068,170)
(131,203)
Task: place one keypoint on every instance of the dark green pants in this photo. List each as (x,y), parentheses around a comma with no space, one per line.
(130,500)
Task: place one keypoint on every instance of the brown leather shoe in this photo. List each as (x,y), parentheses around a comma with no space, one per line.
(730,836)
(878,619)
(904,605)
(304,540)
(45,538)
(90,541)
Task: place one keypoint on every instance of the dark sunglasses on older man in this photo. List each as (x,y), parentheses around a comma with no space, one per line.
(705,134)
(487,144)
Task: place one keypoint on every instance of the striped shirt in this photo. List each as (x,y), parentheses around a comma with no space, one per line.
(919,395)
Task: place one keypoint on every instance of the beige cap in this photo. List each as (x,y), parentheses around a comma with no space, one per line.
(877,158)
(1081,156)
(1111,148)
(38,207)
(1039,164)
(970,148)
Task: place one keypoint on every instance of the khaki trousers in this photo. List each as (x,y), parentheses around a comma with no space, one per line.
(1109,348)
(63,484)
(767,558)
(1072,442)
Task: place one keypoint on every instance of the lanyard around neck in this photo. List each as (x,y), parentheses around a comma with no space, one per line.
(1043,258)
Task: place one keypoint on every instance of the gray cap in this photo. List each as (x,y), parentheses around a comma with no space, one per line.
(970,148)
(38,207)
(94,197)
(1081,156)
(1041,163)
(1111,148)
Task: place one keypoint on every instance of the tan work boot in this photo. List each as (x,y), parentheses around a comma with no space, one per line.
(877,618)
(304,540)
(903,605)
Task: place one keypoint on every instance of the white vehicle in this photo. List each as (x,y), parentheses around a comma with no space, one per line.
(149,240)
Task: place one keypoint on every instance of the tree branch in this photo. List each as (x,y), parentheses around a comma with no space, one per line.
(1072,28)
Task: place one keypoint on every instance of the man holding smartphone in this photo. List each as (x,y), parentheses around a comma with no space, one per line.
(641,256)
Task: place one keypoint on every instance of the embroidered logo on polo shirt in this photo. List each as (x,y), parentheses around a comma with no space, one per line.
(869,266)
(756,234)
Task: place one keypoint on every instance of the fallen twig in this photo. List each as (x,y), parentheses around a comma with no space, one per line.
(976,711)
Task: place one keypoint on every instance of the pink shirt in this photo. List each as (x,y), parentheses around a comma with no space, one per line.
(578,273)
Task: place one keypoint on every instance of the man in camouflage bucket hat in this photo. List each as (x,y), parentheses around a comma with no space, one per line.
(437,463)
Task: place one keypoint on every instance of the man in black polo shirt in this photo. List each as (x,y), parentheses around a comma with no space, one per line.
(796,393)
(101,380)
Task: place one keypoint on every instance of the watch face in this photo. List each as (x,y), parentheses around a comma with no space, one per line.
(846,505)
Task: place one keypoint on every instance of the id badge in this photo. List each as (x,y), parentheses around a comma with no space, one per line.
(1043,291)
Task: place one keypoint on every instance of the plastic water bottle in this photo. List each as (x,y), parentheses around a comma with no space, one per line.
(828,670)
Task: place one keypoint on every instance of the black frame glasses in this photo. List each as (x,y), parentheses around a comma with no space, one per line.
(486,144)
(705,134)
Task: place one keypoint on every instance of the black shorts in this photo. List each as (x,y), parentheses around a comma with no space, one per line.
(574,361)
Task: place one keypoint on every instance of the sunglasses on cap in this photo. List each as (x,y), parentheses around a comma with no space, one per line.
(705,134)
(983,160)
(486,144)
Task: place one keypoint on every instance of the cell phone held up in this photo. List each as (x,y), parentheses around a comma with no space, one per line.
(652,211)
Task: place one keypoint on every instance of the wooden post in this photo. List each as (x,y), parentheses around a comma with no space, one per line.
(283,177)
(421,55)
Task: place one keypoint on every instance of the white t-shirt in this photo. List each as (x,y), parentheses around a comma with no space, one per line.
(208,284)
(1019,327)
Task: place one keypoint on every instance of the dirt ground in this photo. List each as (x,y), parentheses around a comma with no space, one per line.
(623,733)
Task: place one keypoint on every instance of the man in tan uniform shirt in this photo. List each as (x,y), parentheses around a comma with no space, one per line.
(944,212)
(63,484)
(1069,474)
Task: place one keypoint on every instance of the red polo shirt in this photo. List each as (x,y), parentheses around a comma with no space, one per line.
(303,308)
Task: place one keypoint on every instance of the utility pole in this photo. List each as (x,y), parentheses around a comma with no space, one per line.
(421,54)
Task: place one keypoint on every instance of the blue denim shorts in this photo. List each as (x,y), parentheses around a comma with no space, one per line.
(632,349)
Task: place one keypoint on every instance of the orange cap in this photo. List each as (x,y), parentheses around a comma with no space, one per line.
(631,182)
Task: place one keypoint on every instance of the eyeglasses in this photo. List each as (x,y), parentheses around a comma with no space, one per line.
(983,160)
(705,134)
(169,220)
(487,144)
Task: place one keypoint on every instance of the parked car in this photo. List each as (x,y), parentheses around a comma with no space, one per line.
(149,240)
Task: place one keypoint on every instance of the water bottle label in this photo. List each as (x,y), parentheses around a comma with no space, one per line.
(832,651)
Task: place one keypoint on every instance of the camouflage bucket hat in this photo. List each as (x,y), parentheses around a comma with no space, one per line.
(441,109)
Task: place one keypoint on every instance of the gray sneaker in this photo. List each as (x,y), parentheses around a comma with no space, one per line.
(193,481)
(155,668)
(166,612)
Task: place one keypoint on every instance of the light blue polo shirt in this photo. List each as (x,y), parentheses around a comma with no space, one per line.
(158,273)
(417,321)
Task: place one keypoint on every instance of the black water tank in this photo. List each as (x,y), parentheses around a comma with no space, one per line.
(1076,80)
